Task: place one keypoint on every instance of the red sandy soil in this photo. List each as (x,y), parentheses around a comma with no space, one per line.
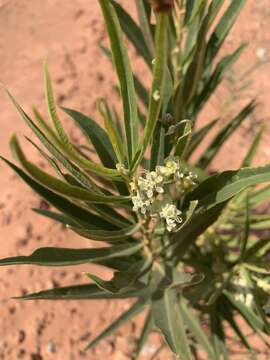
(67,34)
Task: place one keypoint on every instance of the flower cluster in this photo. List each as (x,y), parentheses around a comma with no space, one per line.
(151,191)
(145,189)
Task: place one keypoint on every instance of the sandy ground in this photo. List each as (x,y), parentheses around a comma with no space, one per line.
(66,33)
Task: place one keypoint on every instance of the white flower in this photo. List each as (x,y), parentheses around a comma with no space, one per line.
(170,213)
(150,184)
(170,168)
(140,204)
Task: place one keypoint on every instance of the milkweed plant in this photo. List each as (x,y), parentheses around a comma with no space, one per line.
(189,247)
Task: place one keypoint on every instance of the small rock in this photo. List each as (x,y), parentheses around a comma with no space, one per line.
(22,336)
(149,349)
(51,348)
(85,336)
(21,353)
(36,357)
(261,53)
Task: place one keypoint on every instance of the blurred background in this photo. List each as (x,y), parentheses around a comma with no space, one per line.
(67,34)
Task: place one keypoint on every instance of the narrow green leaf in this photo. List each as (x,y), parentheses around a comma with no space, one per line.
(255,322)
(51,256)
(85,163)
(244,240)
(192,9)
(73,169)
(96,135)
(133,32)
(104,235)
(59,186)
(99,138)
(144,14)
(113,133)
(157,149)
(228,315)
(214,8)
(78,177)
(79,214)
(157,90)
(218,334)
(141,90)
(146,330)
(223,135)
(61,218)
(123,280)
(168,319)
(69,178)
(217,76)
(122,319)
(195,327)
(80,292)
(222,29)
(105,211)
(258,249)
(69,148)
(187,235)
(260,196)
(198,136)
(125,76)
(188,214)
(253,148)
(184,139)
(222,187)
(195,69)
(44,125)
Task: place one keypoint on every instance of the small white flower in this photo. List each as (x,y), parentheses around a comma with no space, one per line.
(140,204)
(171,168)
(150,184)
(170,213)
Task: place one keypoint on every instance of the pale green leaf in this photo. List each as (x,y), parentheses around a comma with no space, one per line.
(168,319)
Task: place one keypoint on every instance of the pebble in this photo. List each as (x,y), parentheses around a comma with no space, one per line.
(36,357)
(51,348)
(261,53)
